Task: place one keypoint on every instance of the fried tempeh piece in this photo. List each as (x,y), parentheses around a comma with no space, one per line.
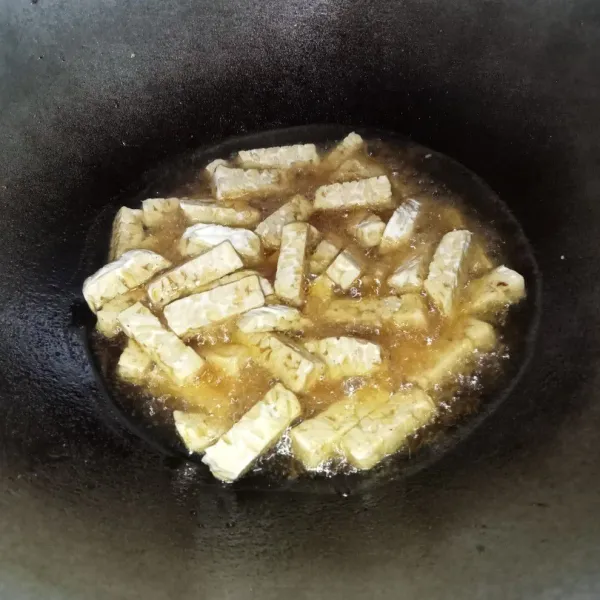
(273,318)
(227,358)
(162,345)
(366,228)
(410,275)
(198,430)
(238,183)
(198,238)
(323,256)
(346,356)
(316,440)
(213,213)
(258,430)
(211,167)
(128,232)
(158,211)
(455,356)
(386,429)
(188,277)
(369,314)
(107,317)
(400,227)
(189,315)
(447,270)
(366,313)
(297,368)
(134,364)
(358,167)
(291,265)
(269,230)
(412,313)
(494,292)
(374,193)
(279,157)
(131,270)
(349,146)
(344,270)
(265,284)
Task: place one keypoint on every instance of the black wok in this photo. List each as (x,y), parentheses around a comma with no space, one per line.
(94,95)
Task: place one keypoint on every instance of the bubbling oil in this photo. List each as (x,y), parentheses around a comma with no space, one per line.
(405,352)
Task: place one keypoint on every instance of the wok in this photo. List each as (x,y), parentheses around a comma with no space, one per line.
(96,94)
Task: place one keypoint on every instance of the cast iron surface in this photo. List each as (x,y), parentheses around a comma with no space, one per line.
(93,93)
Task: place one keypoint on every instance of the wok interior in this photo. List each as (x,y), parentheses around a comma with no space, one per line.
(95,97)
